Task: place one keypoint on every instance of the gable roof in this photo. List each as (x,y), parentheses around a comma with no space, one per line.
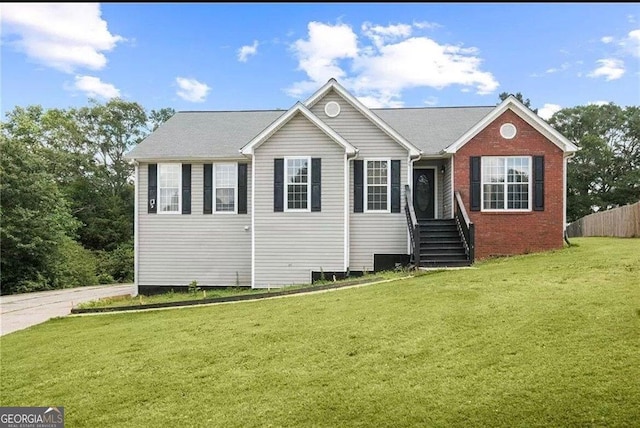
(332,84)
(298,108)
(512,103)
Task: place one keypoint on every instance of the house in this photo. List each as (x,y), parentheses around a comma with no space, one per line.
(273,198)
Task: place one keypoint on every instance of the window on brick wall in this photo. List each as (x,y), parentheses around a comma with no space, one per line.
(506,183)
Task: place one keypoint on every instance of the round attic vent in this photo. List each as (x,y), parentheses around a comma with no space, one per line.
(332,109)
(508,131)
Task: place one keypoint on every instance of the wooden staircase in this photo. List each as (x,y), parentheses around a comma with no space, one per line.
(441,244)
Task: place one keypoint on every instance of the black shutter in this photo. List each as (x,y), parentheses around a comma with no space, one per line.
(475,183)
(538,183)
(208,189)
(278,185)
(316,188)
(152,199)
(395,186)
(358,190)
(242,188)
(186,188)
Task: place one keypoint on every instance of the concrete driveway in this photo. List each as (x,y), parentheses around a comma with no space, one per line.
(20,311)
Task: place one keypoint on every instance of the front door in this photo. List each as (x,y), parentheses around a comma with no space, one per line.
(424,193)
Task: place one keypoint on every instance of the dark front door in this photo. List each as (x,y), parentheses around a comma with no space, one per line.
(424,193)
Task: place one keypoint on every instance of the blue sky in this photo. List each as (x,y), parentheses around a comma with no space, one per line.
(243,56)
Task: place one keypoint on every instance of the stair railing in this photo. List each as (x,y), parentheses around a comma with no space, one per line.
(412,224)
(465,227)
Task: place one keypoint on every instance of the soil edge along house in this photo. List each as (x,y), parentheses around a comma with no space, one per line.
(272,198)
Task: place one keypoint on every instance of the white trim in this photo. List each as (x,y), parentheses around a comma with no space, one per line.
(215,189)
(366,185)
(355,103)
(286,184)
(136,228)
(253,223)
(511,103)
(159,208)
(435,188)
(330,104)
(453,187)
(249,148)
(346,212)
(505,185)
(508,131)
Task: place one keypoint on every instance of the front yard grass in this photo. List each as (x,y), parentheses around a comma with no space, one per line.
(549,339)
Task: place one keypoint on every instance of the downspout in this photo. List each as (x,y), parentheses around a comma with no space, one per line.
(415,159)
(347,211)
(136,231)
(564,196)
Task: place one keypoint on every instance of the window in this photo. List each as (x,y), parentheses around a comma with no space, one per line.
(506,183)
(297,182)
(377,185)
(169,175)
(225,184)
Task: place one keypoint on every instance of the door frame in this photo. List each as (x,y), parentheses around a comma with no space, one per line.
(435,187)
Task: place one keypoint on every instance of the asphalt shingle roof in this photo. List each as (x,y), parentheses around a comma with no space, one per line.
(221,134)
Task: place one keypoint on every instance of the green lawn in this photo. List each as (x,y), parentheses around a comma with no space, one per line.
(547,339)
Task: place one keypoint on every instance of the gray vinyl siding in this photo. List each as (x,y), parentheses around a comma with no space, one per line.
(369,233)
(447,191)
(290,245)
(175,249)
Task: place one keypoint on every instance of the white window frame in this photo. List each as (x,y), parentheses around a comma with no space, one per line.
(505,185)
(159,181)
(286,184)
(366,184)
(215,188)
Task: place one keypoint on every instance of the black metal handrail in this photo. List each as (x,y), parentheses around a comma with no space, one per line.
(466,227)
(412,224)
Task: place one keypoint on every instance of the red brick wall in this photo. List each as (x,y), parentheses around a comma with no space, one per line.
(511,233)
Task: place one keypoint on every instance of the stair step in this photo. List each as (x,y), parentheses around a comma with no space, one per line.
(428,252)
(444,263)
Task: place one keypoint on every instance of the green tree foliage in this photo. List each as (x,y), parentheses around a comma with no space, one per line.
(605,172)
(158,117)
(36,220)
(64,178)
(504,95)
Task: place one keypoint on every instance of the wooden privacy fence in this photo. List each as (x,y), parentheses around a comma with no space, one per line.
(623,222)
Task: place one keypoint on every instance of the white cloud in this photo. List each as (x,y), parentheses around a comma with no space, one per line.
(388,60)
(563,67)
(380,35)
(632,43)
(246,51)
(431,101)
(424,25)
(192,90)
(610,69)
(63,36)
(598,103)
(606,39)
(319,55)
(95,88)
(548,110)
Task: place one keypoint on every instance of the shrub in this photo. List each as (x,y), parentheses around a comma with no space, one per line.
(118,263)
(76,266)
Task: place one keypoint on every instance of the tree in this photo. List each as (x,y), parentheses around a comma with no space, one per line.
(605,172)
(158,117)
(504,95)
(36,220)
